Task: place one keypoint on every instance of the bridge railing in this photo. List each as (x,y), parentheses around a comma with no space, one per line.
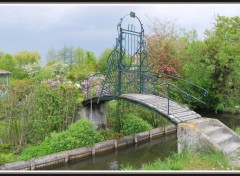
(167,86)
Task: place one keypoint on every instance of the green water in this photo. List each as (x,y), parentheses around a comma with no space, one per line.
(137,154)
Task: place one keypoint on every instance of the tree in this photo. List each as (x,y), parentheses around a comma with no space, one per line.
(91,59)
(66,55)
(52,55)
(103,60)
(25,58)
(79,56)
(1,55)
(7,62)
(223,44)
(85,67)
(163,47)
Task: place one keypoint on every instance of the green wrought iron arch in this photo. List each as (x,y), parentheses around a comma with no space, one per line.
(128,61)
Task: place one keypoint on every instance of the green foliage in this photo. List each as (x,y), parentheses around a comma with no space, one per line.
(81,72)
(213,63)
(150,117)
(7,157)
(33,111)
(237,130)
(4,147)
(188,160)
(7,63)
(224,57)
(110,134)
(84,130)
(103,60)
(1,55)
(75,64)
(43,74)
(79,134)
(25,58)
(79,56)
(19,73)
(132,124)
(31,151)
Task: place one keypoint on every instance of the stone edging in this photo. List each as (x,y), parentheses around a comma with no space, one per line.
(65,156)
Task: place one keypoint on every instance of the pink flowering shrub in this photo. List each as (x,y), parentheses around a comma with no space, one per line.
(92,86)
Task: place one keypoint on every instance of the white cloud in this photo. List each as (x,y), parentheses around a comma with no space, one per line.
(92,26)
(39,18)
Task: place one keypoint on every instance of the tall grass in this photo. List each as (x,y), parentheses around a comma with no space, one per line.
(188,160)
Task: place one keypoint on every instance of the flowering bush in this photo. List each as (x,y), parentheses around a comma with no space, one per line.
(93,86)
(32,69)
(51,83)
(59,67)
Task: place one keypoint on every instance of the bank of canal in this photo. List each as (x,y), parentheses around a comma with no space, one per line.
(137,154)
(133,154)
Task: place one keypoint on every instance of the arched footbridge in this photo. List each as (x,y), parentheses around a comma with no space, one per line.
(129,77)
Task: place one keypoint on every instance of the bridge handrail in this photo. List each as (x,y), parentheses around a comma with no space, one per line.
(172,86)
(178,78)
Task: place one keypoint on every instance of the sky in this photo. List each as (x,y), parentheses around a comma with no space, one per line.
(93,27)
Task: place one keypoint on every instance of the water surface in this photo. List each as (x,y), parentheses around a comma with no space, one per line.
(138,154)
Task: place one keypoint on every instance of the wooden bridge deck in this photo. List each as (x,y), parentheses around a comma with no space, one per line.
(177,113)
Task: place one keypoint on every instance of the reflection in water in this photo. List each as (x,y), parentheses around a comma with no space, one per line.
(135,155)
(138,154)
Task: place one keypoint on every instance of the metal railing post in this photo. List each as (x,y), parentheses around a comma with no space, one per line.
(168,88)
(87,88)
(91,115)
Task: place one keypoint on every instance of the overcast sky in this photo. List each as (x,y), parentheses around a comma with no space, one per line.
(92,27)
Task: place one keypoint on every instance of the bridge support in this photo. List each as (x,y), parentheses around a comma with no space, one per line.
(208,134)
(96,113)
(190,136)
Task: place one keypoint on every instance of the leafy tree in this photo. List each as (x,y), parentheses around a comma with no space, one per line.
(84,67)
(164,46)
(25,58)
(91,59)
(79,56)
(103,60)
(52,55)
(7,62)
(224,56)
(1,55)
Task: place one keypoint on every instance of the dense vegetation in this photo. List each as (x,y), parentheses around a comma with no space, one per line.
(42,102)
(188,160)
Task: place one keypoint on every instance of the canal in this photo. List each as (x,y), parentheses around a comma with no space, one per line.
(138,154)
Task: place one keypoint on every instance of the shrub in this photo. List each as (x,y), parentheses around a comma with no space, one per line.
(79,134)
(133,124)
(7,157)
(110,134)
(84,131)
(36,151)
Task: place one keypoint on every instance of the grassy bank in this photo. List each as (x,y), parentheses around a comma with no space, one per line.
(187,160)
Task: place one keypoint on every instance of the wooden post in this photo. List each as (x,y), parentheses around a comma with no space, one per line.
(66,157)
(135,138)
(115,143)
(150,134)
(93,150)
(33,164)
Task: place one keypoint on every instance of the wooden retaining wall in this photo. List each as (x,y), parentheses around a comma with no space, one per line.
(83,152)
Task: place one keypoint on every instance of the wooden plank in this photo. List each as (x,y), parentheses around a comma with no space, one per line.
(188,117)
(183,114)
(177,120)
(178,111)
(176,108)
